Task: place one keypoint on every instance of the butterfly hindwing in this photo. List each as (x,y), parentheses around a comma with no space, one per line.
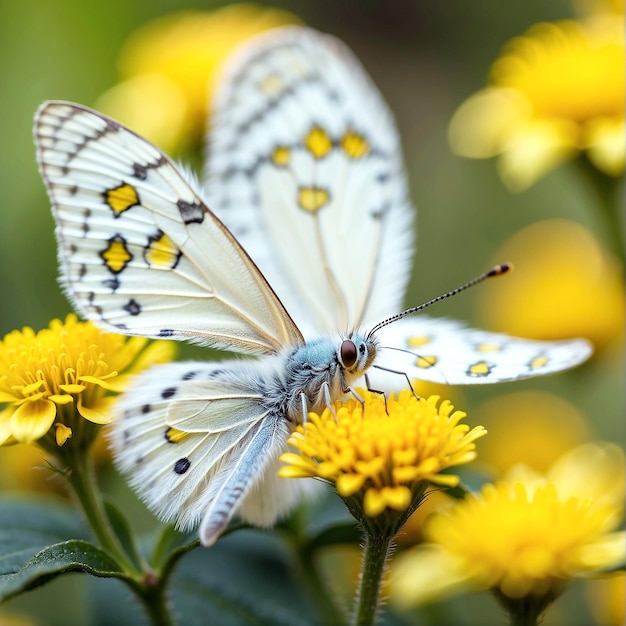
(195,438)
(306,169)
(140,252)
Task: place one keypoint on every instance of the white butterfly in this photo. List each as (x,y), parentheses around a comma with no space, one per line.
(306,173)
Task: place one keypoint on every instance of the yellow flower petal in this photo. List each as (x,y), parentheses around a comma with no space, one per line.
(534,149)
(74,388)
(61,398)
(349,484)
(32,420)
(604,140)
(605,554)
(5,397)
(62,434)
(374,502)
(594,470)
(482,125)
(99,413)
(5,424)
(290,471)
(424,573)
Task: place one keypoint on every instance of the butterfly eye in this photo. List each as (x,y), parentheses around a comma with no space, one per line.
(348,353)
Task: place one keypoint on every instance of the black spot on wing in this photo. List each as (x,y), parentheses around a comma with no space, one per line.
(191,212)
(132,307)
(182,465)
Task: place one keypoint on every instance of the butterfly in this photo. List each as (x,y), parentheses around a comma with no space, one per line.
(307,243)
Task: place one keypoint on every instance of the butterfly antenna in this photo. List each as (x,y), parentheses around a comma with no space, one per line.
(498,270)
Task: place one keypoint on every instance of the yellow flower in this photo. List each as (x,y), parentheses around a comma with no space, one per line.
(607,600)
(381,457)
(65,373)
(564,285)
(539,427)
(168,67)
(524,538)
(555,91)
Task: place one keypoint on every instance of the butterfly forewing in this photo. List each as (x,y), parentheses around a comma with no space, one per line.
(305,167)
(444,351)
(140,252)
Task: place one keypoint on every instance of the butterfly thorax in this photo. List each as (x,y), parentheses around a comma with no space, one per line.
(324,369)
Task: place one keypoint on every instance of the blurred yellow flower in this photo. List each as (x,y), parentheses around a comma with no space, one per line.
(564,285)
(599,7)
(168,66)
(381,456)
(607,600)
(524,538)
(65,373)
(539,428)
(555,91)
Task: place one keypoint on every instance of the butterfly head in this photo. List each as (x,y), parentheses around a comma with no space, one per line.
(356,354)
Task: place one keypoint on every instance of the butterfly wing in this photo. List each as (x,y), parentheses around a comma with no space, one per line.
(140,251)
(197,438)
(444,351)
(305,168)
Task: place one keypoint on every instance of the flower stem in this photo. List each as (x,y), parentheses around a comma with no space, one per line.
(605,189)
(525,611)
(155,601)
(150,589)
(81,478)
(375,554)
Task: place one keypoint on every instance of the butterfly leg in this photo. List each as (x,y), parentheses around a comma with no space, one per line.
(372,390)
(329,402)
(400,373)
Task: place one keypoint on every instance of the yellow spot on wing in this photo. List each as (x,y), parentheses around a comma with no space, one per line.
(271,85)
(481,368)
(312,198)
(318,143)
(355,145)
(162,253)
(116,256)
(537,362)
(121,198)
(173,435)
(489,347)
(280,156)
(418,340)
(426,361)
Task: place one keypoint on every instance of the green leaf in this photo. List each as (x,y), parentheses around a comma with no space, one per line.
(74,555)
(26,527)
(347,533)
(120,526)
(169,544)
(246,578)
